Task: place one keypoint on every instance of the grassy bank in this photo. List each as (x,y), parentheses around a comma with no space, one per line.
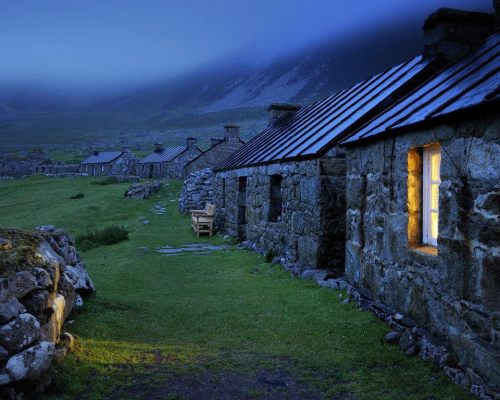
(223,325)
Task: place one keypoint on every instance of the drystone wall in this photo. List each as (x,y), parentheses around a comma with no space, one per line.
(197,191)
(455,294)
(140,191)
(125,164)
(176,168)
(20,164)
(309,233)
(49,167)
(41,281)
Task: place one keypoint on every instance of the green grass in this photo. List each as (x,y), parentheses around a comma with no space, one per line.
(157,319)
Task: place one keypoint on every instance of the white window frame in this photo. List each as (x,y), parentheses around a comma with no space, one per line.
(429,151)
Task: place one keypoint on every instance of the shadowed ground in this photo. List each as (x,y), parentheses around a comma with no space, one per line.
(208,324)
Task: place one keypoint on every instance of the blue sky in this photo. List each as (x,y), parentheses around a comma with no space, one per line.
(113,42)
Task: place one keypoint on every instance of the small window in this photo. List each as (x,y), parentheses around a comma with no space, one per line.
(275,199)
(242,200)
(102,168)
(223,193)
(430,200)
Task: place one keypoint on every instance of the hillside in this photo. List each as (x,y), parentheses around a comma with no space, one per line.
(200,102)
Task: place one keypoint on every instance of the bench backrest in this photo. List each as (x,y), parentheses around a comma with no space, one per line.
(209,208)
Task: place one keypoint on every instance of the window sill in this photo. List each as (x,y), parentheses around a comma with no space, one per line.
(425,249)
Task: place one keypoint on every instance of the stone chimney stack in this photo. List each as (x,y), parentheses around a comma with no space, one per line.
(125,149)
(450,33)
(158,147)
(277,111)
(95,152)
(231,131)
(191,141)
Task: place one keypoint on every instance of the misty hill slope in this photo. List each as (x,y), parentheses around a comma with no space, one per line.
(200,102)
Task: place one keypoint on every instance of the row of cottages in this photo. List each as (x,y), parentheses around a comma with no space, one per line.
(393,183)
(220,149)
(169,162)
(102,163)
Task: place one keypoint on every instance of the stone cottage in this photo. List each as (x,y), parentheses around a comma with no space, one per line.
(220,149)
(101,163)
(168,162)
(284,191)
(423,199)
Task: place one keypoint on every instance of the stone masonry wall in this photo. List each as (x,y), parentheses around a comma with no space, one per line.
(307,235)
(214,155)
(456,293)
(175,168)
(197,191)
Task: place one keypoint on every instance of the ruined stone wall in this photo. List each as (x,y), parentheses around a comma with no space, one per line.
(215,155)
(197,191)
(176,167)
(124,165)
(456,292)
(309,233)
(56,168)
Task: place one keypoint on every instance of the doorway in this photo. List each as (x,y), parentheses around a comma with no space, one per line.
(242,208)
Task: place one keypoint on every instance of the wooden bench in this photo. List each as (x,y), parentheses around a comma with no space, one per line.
(202,221)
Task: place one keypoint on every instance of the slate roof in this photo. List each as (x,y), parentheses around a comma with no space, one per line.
(314,129)
(165,155)
(472,81)
(102,157)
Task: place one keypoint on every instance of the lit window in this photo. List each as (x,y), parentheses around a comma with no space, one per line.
(275,203)
(431,182)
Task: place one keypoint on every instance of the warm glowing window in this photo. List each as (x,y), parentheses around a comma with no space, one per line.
(430,203)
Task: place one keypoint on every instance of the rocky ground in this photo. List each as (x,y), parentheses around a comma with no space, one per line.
(42,280)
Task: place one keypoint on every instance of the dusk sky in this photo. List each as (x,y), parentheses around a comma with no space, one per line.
(113,42)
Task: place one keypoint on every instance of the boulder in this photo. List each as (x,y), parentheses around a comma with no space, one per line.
(10,309)
(43,278)
(32,363)
(80,278)
(5,244)
(392,337)
(22,283)
(142,191)
(19,333)
(407,340)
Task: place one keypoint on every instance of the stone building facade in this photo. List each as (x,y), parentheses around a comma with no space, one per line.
(103,163)
(304,232)
(219,150)
(437,161)
(168,162)
(56,167)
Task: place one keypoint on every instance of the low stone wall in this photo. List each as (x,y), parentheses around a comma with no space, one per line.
(143,191)
(196,191)
(42,277)
(56,168)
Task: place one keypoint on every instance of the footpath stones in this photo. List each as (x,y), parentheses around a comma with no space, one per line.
(39,289)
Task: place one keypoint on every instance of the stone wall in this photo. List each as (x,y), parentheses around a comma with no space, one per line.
(309,232)
(97,169)
(196,191)
(125,164)
(41,279)
(56,167)
(456,292)
(176,167)
(20,164)
(214,155)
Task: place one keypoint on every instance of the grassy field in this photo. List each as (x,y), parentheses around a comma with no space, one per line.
(224,325)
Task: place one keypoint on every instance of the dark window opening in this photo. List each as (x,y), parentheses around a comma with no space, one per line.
(242,200)
(275,199)
(223,193)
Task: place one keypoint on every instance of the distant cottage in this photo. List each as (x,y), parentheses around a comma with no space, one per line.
(168,162)
(101,163)
(220,149)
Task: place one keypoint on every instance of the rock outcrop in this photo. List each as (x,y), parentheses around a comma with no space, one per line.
(197,190)
(42,279)
(143,191)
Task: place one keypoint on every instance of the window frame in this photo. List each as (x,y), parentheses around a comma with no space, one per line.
(275,202)
(428,182)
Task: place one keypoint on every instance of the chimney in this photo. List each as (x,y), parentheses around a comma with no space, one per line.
(125,149)
(158,147)
(191,141)
(95,152)
(450,33)
(214,141)
(277,111)
(231,131)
